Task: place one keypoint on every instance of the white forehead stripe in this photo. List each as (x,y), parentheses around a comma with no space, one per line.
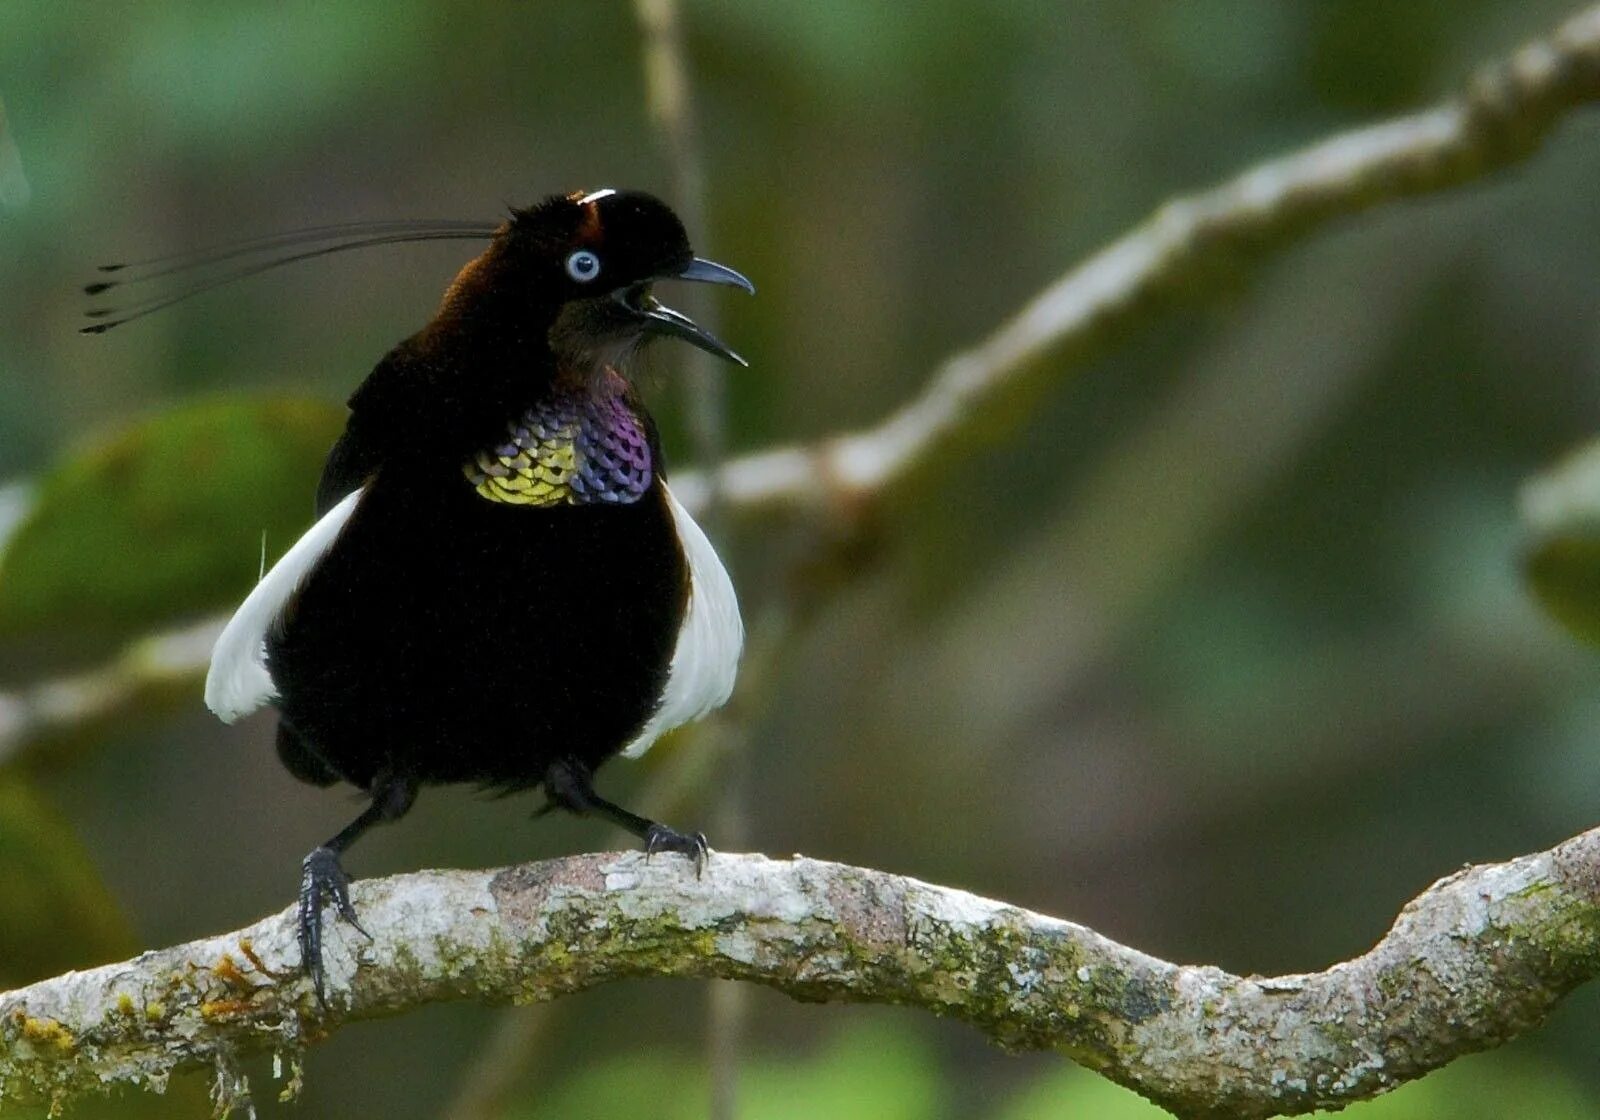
(596,196)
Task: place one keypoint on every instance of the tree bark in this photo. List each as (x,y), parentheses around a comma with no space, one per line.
(1477,959)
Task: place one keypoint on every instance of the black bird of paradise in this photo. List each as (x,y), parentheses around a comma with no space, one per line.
(500,587)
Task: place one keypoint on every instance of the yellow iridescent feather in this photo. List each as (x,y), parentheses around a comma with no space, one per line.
(575,448)
(538,474)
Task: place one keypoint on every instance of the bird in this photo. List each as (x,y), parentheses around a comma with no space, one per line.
(500,588)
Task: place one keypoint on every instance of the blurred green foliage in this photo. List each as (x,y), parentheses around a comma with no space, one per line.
(56,912)
(1223,648)
(161,520)
(876,1073)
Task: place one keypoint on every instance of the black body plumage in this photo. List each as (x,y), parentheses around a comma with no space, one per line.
(446,638)
(500,588)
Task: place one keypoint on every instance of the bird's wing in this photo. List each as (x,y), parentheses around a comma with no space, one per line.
(706,658)
(352,462)
(238,682)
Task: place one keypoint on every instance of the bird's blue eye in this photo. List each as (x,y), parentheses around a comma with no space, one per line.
(583,266)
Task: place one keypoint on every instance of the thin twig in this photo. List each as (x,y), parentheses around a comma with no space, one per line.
(514,1039)
(14,189)
(499,1062)
(149,676)
(669,96)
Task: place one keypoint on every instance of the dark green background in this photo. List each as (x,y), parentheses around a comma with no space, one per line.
(1223,650)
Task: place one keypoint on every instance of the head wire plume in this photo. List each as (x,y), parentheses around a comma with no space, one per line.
(205,269)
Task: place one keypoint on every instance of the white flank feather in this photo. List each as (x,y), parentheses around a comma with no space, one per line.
(706,658)
(238,682)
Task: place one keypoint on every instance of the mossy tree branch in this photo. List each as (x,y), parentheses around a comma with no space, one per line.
(1477,959)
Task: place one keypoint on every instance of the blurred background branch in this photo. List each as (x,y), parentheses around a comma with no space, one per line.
(1189,246)
(14,188)
(151,676)
(669,97)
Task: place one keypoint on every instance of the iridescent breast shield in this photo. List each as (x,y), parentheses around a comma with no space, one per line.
(575,449)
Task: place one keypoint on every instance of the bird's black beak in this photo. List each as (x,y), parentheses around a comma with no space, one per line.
(710,272)
(660,319)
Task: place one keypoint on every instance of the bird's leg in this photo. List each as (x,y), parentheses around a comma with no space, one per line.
(323,878)
(569,785)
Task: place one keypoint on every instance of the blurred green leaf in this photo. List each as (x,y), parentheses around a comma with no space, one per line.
(1072,1093)
(1561,510)
(1370,56)
(866,1073)
(875,1073)
(56,912)
(165,518)
(187,1097)
(266,70)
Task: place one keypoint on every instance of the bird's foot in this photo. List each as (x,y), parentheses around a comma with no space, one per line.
(322,879)
(660,838)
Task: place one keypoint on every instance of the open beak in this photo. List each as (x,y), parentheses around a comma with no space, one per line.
(710,272)
(660,319)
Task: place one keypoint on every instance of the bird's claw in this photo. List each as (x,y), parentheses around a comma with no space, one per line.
(322,879)
(660,838)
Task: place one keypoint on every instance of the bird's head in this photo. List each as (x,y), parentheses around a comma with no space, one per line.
(582,267)
(573,273)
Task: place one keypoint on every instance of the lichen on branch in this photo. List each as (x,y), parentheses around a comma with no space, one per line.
(1478,958)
